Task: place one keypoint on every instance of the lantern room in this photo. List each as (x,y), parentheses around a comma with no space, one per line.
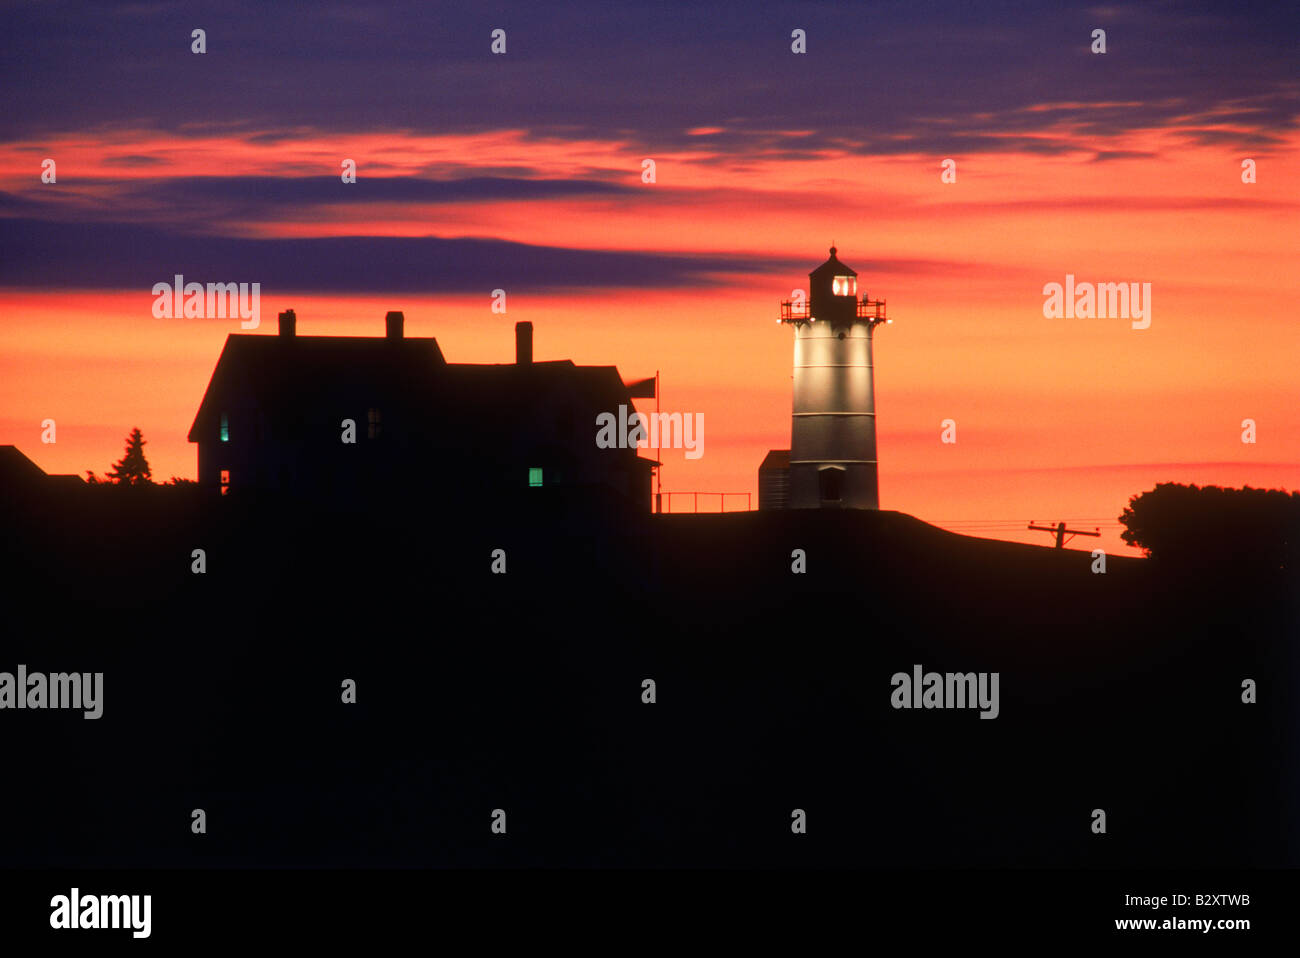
(832,290)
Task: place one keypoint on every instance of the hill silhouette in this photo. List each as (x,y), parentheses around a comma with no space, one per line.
(522,691)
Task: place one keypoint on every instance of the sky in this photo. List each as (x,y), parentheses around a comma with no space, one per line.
(523,171)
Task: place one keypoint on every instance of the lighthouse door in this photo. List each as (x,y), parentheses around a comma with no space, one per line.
(831,483)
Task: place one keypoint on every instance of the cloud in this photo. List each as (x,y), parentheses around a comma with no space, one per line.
(134,160)
(298,191)
(1243,139)
(215,200)
(580,71)
(124,256)
(1105,155)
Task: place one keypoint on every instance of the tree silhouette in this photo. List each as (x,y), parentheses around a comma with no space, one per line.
(1211,525)
(133,468)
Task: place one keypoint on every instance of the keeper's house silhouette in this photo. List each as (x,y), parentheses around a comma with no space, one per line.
(20,474)
(279,411)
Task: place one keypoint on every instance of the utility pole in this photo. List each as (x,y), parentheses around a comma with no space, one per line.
(1060,532)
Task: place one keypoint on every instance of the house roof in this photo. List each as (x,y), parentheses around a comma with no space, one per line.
(17,468)
(292,374)
(296,377)
(776,459)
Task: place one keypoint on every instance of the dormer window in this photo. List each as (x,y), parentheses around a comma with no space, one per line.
(844,285)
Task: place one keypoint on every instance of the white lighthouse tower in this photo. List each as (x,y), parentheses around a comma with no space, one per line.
(833,422)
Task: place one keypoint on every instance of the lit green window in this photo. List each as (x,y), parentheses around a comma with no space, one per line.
(534,476)
(225,428)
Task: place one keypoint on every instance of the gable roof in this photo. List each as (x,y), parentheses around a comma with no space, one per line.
(295,377)
(17,468)
(292,374)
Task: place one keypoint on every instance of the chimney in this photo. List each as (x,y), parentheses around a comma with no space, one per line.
(393,324)
(523,343)
(288,323)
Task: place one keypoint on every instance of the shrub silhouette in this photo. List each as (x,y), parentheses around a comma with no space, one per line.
(1211,525)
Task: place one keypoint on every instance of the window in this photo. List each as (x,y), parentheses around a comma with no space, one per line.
(374,426)
(844,285)
(534,476)
(225,428)
(225,481)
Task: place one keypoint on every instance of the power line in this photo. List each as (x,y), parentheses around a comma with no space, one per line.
(1095,519)
(1059,531)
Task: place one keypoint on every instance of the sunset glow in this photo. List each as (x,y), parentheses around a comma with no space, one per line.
(1055,418)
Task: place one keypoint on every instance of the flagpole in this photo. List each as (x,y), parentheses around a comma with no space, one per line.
(659,469)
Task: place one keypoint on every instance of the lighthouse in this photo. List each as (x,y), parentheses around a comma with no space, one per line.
(832,459)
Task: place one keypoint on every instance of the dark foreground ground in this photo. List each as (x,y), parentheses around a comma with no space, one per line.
(523,692)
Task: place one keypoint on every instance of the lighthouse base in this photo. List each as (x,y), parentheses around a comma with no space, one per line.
(834,485)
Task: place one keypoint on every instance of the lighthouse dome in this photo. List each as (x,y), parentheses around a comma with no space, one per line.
(833,267)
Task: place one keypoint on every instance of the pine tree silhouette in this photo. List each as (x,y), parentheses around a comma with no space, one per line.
(133,468)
